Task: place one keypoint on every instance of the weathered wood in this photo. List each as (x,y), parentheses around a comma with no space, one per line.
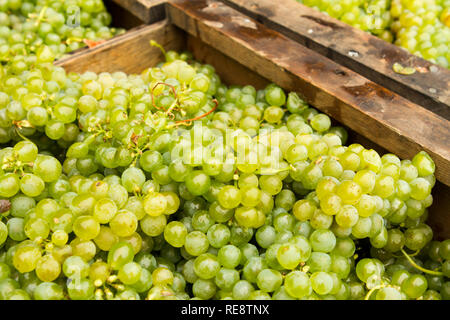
(359,51)
(148,11)
(130,52)
(439,212)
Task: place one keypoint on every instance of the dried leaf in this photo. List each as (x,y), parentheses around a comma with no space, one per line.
(23,124)
(135,138)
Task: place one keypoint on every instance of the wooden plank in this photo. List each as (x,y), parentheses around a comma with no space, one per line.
(382,116)
(148,11)
(130,52)
(358,50)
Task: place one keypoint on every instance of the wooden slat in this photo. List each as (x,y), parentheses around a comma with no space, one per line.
(336,40)
(382,116)
(148,11)
(130,52)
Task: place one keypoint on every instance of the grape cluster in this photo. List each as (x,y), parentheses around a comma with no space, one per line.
(64,26)
(171,185)
(419,26)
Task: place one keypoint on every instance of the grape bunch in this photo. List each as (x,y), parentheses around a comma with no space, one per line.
(64,26)
(421,27)
(172,185)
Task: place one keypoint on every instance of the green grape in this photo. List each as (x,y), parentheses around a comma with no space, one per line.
(229,256)
(75,267)
(297,284)
(124,223)
(48,268)
(204,289)
(269,280)
(242,290)
(322,241)
(82,289)
(349,191)
(155,204)
(48,291)
(197,182)
(206,266)
(26,258)
(321,282)
(133,179)
(289,256)
(86,227)
(304,209)
(153,226)
(226,278)
(9,185)
(130,273)
(175,234)
(415,286)
(120,254)
(104,210)
(229,197)
(218,235)
(319,261)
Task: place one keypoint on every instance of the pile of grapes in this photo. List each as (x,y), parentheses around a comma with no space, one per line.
(420,26)
(63,26)
(172,185)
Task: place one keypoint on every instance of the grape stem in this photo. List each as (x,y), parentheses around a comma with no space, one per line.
(411,255)
(153,96)
(153,43)
(367,297)
(415,265)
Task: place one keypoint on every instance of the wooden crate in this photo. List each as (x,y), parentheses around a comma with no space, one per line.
(244,51)
(360,51)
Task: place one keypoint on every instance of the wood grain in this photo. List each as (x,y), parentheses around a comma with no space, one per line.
(148,11)
(335,39)
(130,52)
(382,116)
